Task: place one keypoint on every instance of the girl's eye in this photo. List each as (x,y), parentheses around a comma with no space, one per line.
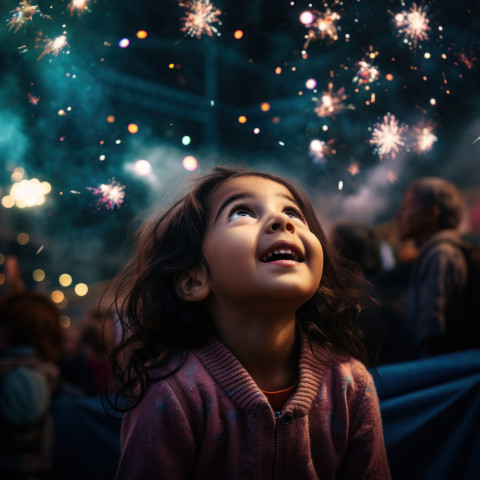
(294,212)
(240,211)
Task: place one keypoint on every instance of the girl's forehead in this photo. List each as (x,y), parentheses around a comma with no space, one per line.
(249,185)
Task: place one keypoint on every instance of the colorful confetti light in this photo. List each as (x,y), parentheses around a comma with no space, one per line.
(366,73)
(323,27)
(109,195)
(199,18)
(22,14)
(413,24)
(330,103)
(388,137)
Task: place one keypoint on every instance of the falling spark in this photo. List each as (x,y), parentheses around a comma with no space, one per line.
(388,137)
(413,24)
(109,195)
(33,100)
(199,18)
(476,140)
(79,6)
(354,168)
(39,250)
(424,138)
(323,27)
(54,46)
(22,14)
(330,103)
(366,73)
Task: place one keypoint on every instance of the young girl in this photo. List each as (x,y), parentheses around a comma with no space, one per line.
(241,355)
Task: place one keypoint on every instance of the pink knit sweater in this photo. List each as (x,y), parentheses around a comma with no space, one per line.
(211,421)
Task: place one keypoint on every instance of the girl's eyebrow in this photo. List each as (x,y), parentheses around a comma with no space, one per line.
(238,196)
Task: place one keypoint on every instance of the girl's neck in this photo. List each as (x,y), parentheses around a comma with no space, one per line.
(265,345)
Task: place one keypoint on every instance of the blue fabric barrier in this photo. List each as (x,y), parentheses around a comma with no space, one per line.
(430,410)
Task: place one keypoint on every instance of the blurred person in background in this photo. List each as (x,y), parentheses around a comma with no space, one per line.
(436,299)
(30,346)
(85,361)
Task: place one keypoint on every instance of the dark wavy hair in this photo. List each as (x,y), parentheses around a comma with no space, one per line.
(156,322)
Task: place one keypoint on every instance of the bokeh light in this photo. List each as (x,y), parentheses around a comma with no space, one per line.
(265,107)
(311,83)
(57,296)
(110,119)
(238,34)
(242,119)
(142,167)
(28,193)
(65,280)
(38,275)
(132,128)
(190,163)
(23,238)
(81,289)
(65,321)
(142,34)
(307,17)
(186,140)
(124,43)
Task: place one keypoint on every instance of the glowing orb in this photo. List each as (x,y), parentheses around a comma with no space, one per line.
(190,163)
(23,238)
(242,119)
(142,34)
(29,193)
(311,83)
(307,18)
(81,289)
(186,140)
(132,128)
(38,275)
(142,167)
(57,296)
(65,280)
(238,34)
(389,77)
(110,119)
(265,107)
(124,43)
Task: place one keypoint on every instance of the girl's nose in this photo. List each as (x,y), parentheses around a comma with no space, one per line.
(280,222)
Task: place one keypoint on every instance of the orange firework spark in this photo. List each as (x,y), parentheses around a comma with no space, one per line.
(22,14)
(54,46)
(330,103)
(322,27)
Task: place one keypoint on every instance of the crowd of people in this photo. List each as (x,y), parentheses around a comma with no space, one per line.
(356,303)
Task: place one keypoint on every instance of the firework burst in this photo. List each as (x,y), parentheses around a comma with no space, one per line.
(330,103)
(54,46)
(318,149)
(22,14)
(109,195)
(200,17)
(323,26)
(388,137)
(424,138)
(78,6)
(354,168)
(366,73)
(413,24)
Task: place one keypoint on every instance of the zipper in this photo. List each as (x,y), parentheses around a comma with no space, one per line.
(277,416)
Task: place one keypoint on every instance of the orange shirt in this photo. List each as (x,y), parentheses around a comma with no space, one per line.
(278,399)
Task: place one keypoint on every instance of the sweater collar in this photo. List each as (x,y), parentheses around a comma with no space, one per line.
(238,384)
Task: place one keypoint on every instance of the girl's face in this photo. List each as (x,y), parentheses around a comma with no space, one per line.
(258,245)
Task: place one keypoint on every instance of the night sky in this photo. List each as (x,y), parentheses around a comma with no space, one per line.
(319,94)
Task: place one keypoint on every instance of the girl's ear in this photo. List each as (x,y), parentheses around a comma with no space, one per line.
(194,285)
